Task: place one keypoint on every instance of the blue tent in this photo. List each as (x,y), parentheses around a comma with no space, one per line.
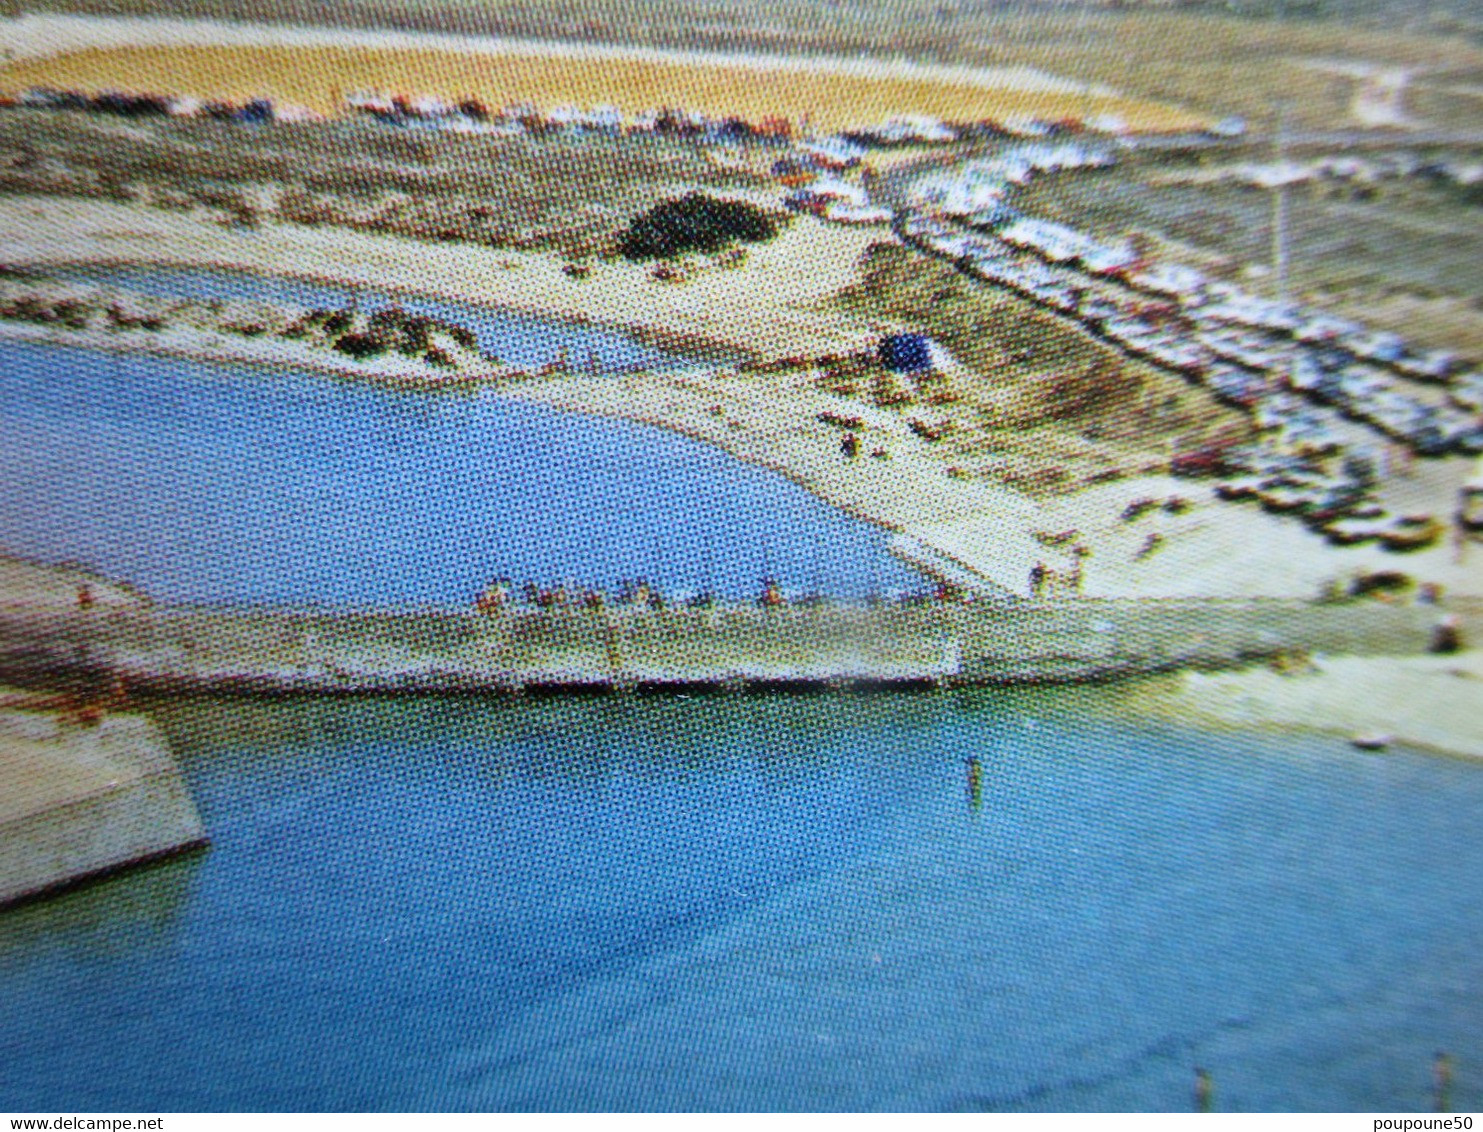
(905,353)
(257,111)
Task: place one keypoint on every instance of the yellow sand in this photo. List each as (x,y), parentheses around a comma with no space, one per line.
(1433,702)
(319,77)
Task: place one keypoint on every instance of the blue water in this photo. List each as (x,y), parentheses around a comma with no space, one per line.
(712,902)
(215,483)
(763,903)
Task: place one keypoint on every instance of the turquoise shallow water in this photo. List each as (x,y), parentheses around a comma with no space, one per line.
(782,902)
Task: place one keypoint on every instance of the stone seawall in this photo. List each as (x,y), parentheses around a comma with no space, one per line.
(79,799)
(280,650)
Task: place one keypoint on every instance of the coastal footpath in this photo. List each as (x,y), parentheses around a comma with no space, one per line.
(1358,667)
(82,795)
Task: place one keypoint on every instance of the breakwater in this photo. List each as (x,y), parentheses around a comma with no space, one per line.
(81,799)
(330,650)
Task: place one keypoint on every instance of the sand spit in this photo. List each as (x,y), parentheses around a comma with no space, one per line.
(317,68)
(1431,702)
(251,333)
(227,349)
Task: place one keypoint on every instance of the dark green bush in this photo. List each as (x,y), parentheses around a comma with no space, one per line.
(694,223)
(360,346)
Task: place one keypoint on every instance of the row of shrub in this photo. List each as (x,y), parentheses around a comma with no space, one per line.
(386,331)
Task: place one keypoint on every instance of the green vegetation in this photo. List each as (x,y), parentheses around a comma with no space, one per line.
(694,223)
(1031,391)
(569,195)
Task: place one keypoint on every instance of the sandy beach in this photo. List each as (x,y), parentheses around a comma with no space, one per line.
(1217,549)
(230,349)
(1431,702)
(773,420)
(987,532)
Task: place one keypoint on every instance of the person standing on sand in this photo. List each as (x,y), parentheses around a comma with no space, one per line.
(1405,461)
(1446,635)
(1037,579)
(1081,553)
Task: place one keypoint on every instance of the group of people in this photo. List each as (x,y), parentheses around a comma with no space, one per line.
(1046,582)
(632,593)
(500,594)
(639,593)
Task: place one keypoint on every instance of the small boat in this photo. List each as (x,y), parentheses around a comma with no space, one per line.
(1371,740)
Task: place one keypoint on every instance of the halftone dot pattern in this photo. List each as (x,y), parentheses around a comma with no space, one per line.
(679,556)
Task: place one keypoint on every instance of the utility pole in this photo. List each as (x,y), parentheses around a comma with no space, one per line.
(1279,205)
(1084,46)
